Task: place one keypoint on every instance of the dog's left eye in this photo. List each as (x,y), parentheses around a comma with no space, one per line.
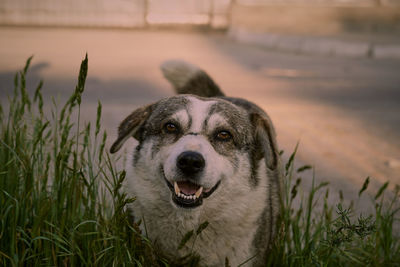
(170,127)
(224,136)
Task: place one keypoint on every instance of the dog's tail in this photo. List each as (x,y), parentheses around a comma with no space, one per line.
(189,79)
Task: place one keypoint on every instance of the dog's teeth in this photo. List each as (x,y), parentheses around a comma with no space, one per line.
(198,192)
(176,187)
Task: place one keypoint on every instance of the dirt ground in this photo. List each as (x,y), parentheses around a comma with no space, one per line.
(343,112)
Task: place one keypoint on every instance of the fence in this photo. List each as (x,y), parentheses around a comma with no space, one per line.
(114,13)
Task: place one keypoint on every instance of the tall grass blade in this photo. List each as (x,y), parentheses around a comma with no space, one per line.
(364,186)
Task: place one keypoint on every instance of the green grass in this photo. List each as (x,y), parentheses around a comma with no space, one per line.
(61,203)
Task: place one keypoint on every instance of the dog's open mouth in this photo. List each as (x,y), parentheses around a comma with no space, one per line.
(189,195)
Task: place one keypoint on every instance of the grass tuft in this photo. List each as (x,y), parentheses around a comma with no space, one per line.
(54,210)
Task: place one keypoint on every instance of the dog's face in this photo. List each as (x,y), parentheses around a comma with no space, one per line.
(194,147)
(199,143)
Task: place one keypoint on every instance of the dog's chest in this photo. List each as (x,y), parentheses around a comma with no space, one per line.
(221,239)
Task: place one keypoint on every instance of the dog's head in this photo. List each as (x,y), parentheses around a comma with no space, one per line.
(197,146)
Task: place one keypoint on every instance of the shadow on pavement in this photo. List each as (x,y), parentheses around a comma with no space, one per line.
(132,92)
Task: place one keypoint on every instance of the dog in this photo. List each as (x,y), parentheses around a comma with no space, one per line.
(202,157)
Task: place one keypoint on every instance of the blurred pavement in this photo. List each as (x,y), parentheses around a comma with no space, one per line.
(344,111)
(344,45)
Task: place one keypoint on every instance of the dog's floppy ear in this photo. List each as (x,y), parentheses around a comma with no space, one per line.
(130,126)
(265,140)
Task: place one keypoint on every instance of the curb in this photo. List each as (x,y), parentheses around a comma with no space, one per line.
(316,45)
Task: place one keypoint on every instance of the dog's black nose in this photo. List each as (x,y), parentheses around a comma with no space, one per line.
(190,162)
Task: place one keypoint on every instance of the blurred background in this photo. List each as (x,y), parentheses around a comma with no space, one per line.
(327,71)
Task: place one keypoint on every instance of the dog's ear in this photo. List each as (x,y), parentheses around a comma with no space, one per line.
(265,140)
(131,126)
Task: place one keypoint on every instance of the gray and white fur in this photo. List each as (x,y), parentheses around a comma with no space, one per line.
(203,157)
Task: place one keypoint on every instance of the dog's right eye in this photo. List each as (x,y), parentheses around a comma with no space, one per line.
(170,128)
(224,136)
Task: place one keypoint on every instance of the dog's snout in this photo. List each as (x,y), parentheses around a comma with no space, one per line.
(190,162)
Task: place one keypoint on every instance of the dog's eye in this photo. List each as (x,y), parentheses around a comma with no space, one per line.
(224,135)
(170,127)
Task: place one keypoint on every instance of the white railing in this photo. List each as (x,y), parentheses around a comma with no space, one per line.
(114,13)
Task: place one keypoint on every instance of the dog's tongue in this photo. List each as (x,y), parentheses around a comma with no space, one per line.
(188,188)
